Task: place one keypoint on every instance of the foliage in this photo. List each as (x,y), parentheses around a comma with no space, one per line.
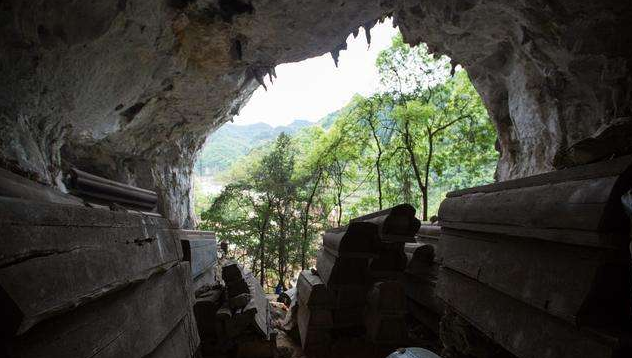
(425,133)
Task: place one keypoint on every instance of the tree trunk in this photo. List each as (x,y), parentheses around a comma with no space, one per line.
(306,221)
(378,167)
(413,162)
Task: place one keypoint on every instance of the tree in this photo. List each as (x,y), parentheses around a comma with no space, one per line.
(425,104)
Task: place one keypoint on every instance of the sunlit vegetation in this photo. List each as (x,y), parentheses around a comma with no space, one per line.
(423,134)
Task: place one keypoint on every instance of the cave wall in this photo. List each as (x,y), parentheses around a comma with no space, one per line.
(129,89)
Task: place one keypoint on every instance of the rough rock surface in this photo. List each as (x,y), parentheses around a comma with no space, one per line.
(129,89)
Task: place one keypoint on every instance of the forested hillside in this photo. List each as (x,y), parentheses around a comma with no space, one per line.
(232,141)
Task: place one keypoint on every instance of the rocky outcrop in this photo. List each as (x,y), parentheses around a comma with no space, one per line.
(551,73)
(130,89)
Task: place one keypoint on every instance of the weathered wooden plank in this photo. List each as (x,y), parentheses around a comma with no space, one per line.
(423,292)
(391,257)
(35,213)
(200,250)
(129,323)
(426,317)
(349,296)
(261,304)
(612,167)
(422,261)
(578,212)
(47,270)
(16,186)
(386,329)
(356,240)
(395,224)
(205,310)
(336,272)
(348,317)
(312,291)
(429,231)
(521,329)
(182,342)
(314,317)
(387,298)
(558,279)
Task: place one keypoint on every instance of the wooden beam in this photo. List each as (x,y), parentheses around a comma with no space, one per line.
(57,257)
(129,323)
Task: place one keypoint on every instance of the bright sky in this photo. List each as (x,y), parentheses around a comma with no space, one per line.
(313,88)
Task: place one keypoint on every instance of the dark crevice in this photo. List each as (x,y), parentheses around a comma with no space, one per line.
(38,254)
(132,111)
(236,50)
(180,4)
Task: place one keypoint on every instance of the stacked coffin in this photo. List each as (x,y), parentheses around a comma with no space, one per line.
(420,281)
(396,226)
(84,282)
(199,248)
(343,267)
(243,320)
(540,264)
(384,320)
(385,313)
(314,312)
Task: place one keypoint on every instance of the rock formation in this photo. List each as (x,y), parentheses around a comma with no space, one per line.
(129,89)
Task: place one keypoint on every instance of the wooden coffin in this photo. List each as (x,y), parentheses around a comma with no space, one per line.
(312,291)
(387,297)
(131,322)
(549,253)
(287,296)
(425,316)
(520,328)
(200,249)
(336,272)
(391,257)
(349,296)
(386,329)
(348,317)
(422,261)
(578,206)
(396,224)
(423,292)
(96,189)
(356,240)
(183,341)
(566,281)
(314,318)
(56,257)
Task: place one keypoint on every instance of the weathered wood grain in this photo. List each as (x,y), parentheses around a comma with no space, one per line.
(16,186)
(558,279)
(314,317)
(575,209)
(607,168)
(336,272)
(356,240)
(521,329)
(129,323)
(200,249)
(182,342)
(387,298)
(312,291)
(76,255)
(395,224)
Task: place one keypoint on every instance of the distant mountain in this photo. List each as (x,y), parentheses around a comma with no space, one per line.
(232,141)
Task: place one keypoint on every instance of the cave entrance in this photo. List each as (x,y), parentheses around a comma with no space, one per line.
(336,136)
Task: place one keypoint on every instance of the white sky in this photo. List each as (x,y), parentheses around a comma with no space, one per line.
(313,88)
